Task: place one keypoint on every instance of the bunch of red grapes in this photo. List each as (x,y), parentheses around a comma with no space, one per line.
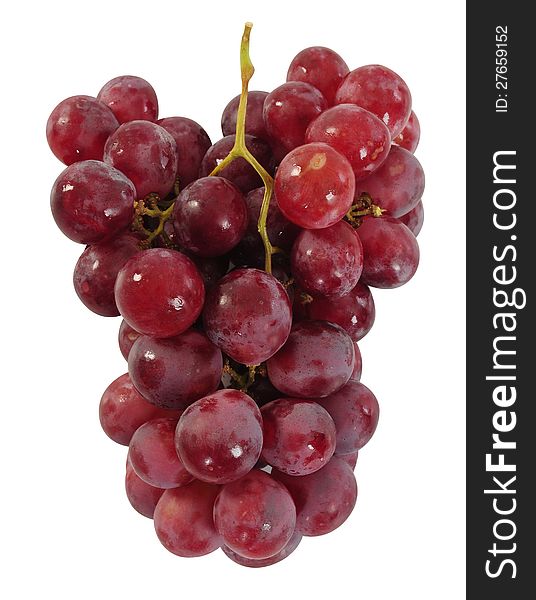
(242,407)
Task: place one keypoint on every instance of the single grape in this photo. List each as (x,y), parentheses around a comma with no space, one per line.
(355,410)
(321,67)
(142,496)
(210,217)
(130,98)
(289,109)
(153,456)
(91,202)
(192,144)
(255,515)
(96,271)
(183,520)
(219,438)
(358,367)
(398,185)
(314,186)
(414,219)
(391,252)
(355,312)
(324,500)
(327,261)
(409,137)
(176,371)
(78,128)
(239,172)
(126,338)
(299,436)
(354,132)
(350,459)
(147,154)
(289,548)
(316,360)
(254,119)
(380,91)
(248,315)
(159,292)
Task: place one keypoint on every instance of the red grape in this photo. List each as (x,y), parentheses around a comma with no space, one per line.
(289,548)
(316,361)
(192,144)
(355,410)
(391,252)
(299,436)
(210,216)
(398,185)
(153,456)
(380,91)
(320,67)
(255,515)
(289,109)
(414,219)
(147,154)
(130,98)
(327,261)
(358,367)
(91,202)
(183,519)
(248,315)
(354,132)
(78,128)
(219,438)
(350,459)
(126,338)
(409,137)
(324,500)
(314,186)
(141,495)
(211,269)
(96,271)
(159,292)
(254,120)
(174,372)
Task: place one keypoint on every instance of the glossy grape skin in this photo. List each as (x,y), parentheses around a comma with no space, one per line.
(147,154)
(328,261)
(219,437)
(354,132)
(350,459)
(239,172)
(299,436)
(183,520)
(130,98)
(289,548)
(255,515)
(159,292)
(142,496)
(398,185)
(153,456)
(210,217)
(414,219)
(96,271)
(254,119)
(409,137)
(380,91)
(316,361)
(91,202)
(174,372)
(78,129)
(192,144)
(314,186)
(126,337)
(321,67)
(324,500)
(391,252)
(355,312)
(248,315)
(355,410)
(358,365)
(289,109)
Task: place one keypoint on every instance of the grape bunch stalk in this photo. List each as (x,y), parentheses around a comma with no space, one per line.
(242,271)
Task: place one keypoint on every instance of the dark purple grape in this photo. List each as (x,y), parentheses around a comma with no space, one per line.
(126,338)
(254,120)
(142,496)
(289,548)
(211,269)
(130,98)
(414,219)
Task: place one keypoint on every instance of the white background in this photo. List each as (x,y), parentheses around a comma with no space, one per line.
(67,529)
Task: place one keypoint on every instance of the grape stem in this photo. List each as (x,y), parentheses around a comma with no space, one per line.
(362,208)
(239,150)
(149,206)
(245,380)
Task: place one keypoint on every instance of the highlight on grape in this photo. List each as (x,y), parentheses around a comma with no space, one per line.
(242,272)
